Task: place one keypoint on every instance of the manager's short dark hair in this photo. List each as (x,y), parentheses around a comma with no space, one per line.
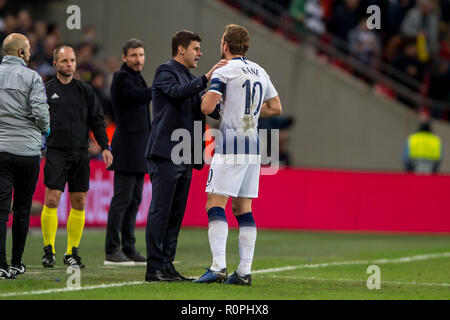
(132,44)
(183,38)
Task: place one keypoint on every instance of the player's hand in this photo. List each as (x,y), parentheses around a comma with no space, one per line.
(221,63)
(107,158)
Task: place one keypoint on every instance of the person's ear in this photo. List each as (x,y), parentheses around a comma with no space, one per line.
(181,50)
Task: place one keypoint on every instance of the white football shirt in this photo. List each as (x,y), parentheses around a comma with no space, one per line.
(244,86)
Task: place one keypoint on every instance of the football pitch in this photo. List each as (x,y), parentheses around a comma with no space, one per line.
(288,265)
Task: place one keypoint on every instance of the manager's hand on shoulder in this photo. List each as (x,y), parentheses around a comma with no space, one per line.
(221,63)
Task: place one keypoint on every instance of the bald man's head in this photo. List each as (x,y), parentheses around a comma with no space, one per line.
(65,61)
(17,44)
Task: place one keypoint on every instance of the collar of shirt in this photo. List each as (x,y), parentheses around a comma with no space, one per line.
(13,60)
(65,84)
(179,66)
(128,69)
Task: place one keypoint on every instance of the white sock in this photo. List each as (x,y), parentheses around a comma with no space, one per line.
(217,234)
(247,239)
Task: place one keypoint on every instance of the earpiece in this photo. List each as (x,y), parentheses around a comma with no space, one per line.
(22,52)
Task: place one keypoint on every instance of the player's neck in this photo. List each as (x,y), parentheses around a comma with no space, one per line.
(63,79)
(232,56)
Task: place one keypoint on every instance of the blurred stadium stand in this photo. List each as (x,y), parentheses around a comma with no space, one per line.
(340,121)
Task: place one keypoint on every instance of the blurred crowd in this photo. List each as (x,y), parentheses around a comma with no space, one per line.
(93,66)
(412,44)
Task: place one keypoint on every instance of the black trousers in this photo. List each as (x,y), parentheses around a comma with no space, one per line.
(170,190)
(122,212)
(18,173)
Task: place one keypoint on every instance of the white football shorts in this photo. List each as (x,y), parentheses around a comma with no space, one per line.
(234,175)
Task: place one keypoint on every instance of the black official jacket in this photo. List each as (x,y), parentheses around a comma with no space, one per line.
(130,97)
(176,105)
(74,110)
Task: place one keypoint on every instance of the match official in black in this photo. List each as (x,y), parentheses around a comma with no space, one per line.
(74,110)
(130,97)
(176,105)
(24,117)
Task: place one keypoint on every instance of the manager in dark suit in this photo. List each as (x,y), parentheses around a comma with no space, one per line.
(176,105)
(130,97)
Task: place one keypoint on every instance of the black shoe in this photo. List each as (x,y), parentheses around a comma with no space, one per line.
(137,258)
(5,274)
(118,258)
(158,275)
(48,260)
(235,278)
(73,259)
(17,270)
(175,274)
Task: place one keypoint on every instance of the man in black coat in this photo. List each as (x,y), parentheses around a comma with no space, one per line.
(176,105)
(130,97)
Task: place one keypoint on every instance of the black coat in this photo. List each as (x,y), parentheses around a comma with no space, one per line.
(176,105)
(130,99)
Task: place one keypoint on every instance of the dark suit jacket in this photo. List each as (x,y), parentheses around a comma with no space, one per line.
(176,105)
(130,99)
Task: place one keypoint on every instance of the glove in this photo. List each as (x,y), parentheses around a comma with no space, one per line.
(44,142)
(46,134)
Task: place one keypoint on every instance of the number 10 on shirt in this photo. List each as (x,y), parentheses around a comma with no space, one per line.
(250,96)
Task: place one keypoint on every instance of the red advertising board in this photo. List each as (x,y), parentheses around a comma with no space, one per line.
(300,199)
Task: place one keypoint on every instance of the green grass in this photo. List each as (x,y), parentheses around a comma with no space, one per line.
(424,279)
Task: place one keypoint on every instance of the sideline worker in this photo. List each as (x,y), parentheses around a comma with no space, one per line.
(130,96)
(74,109)
(423,151)
(24,118)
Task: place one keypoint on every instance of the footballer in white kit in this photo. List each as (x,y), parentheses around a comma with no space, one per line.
(244,92)
(235,167)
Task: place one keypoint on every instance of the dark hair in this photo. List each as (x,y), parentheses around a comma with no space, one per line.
(132,44)
(425,126)
(183,38)
(58,49)
(237,38)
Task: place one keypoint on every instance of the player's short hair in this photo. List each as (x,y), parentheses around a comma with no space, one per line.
(183,38)
(132,44)
(58,49)
(237,38)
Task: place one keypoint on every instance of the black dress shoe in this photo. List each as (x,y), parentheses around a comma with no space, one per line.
(176,276)
(158,275)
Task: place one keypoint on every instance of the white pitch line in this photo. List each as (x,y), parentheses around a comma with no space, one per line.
(343,263)
(100,286)
(305,266)
(437,284)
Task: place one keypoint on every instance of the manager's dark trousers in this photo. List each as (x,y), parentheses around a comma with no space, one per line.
(170,189)
(122,212)
(19,173)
